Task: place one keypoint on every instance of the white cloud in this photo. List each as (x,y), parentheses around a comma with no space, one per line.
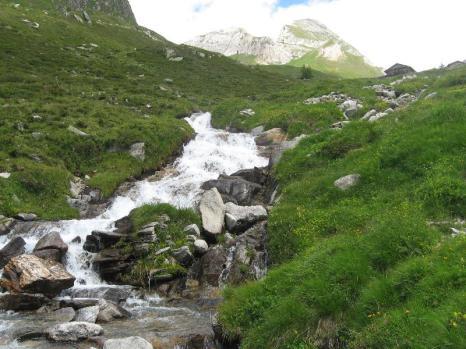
(422,33)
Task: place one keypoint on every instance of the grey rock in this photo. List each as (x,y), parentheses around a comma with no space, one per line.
(63,314)
(6,224)
(50,254)
(240,218)
(138,151)
(13,248)
(270,137)
(192,229)
(77,131)
(369,114)
(346,182)
(5,175)
(109,311)
(183,256)
(26,217)
(256,131)
(200,247)
(87,314)
(162,251)
(431,95)
(247,112)
(125,343)
(22,301)
(212,265)
(212,212)
(235,189)
(73,331)
(52,240)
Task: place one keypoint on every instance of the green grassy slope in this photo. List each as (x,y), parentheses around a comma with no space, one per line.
(367,268)
(108,80)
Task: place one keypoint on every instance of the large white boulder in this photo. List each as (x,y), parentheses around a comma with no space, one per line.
(212,212)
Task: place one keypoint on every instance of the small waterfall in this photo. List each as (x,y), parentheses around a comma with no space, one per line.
(211,153)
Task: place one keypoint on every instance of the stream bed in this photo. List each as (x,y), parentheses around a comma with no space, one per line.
(211,153)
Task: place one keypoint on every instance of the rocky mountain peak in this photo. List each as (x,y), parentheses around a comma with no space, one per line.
(120,8)
(304,41)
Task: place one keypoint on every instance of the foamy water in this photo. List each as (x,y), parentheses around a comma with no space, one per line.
(211,153)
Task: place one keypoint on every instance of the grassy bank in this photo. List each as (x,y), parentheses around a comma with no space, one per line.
(367,267)
(111,80)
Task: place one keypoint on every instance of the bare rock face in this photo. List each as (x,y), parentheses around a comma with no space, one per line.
(120,8)
(31,274)
(212,212)
(73,331)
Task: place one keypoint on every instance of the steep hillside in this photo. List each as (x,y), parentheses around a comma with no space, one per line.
(304,42)
(117,83)
(379,264)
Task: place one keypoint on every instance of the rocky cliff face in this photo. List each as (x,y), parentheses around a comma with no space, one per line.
(302,42)
(120,8)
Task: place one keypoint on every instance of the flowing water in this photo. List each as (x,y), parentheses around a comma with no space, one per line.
(211,153)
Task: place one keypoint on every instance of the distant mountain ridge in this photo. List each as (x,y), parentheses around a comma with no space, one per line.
(304,41)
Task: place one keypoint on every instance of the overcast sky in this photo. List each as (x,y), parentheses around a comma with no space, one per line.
(421,33)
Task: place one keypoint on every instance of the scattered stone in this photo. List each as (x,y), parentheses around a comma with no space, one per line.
(330,98)
(399,69)
(162,251)
(247,112)
(109,311)
(240,218)
(31,274)
(270,137)
(377,116)
(234,189)
(340,124)
(212,212)
(5,175)
(192,229)
(344,183)
(176,59)
(51,254)
(168,81)
(256,131)
(200,247)
(5,225)
(77,186)
(350,107)
(183,256)
(52,240)
(211,265)
(36,117)
(125,343)
(369,114)
(431,95)
(73,331)
(12,249)
(26,217)
(137,151)
(22,301)
(87,314)
(78,18)
(87,17)
(77,131)
(64,314)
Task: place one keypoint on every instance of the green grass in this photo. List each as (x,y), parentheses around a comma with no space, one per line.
(173,236)
(363,268)
(116,92)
